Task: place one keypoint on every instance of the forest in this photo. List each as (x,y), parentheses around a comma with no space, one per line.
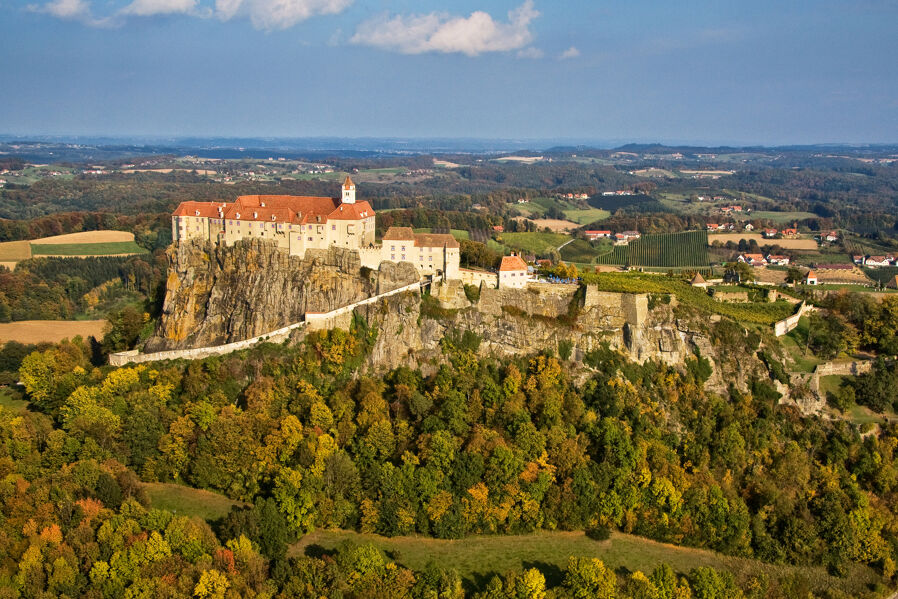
(307,439)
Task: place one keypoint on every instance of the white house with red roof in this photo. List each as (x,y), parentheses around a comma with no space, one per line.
(513,272)
(752,259)
(594,235)
(296,223)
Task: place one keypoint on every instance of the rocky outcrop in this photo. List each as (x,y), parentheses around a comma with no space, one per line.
(216,295)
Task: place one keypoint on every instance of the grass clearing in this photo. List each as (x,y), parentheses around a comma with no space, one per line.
(529,209)
(187,501)
(789,244)
(478,558)
(12,401)
(110,248)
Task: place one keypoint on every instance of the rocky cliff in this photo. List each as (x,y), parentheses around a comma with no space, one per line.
(217,295)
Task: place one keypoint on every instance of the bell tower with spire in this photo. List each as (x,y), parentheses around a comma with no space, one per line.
(348,191)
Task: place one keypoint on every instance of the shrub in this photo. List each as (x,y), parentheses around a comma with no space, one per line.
(565,347)
(598,532)
(472,292)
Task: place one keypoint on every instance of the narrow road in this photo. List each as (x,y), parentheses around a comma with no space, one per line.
(564,244)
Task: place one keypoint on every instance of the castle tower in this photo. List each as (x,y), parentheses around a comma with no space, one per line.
(348,191)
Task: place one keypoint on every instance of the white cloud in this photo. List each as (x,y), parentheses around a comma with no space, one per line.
(440,32)
(571,52)
(530,52)
(277,14)
(149,8)
(70,10)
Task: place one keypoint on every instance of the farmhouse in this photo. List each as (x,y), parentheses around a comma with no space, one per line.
(778,260)
(594,235)
(832,237)
(810,278)
(770,233)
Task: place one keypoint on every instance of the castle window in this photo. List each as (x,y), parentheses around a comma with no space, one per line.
(333,227)
(403,256)
(392,256)
(310,239)
(392,248)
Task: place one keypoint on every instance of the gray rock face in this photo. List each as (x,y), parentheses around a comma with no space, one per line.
(217,295)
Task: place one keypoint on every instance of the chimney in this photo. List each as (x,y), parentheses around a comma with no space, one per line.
(255,215)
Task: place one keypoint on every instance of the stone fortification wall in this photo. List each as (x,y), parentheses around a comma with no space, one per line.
(537,299)
(786,325)
(478,277)
(370,257)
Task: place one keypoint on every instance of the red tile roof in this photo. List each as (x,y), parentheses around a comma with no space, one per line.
(399,234)
(512,263)
(205,209)
(355,211)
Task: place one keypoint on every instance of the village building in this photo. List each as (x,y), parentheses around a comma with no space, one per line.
(876,261)
(594,235)
(778,260)
(752,259)
(512,272)
(431,253)
(832,237)
(859,260)
(699,281)
(893,283)
(770,233)
(810,278)
(790,233)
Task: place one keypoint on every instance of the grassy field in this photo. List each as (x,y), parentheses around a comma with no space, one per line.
(795,343)
(110,248)
(582,251)
(12,400)
(534,243)
(187,501)
(478,558)
(529,209)
(586,216)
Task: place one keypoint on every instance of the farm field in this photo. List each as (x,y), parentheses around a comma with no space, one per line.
(477,558)
(85,243)
(789,244)
(112,248)
(586,215)
(553,224)
(86,237)
(14,251)
(49,331)
(535,243)
(782,217)
(669,250)
(187,501)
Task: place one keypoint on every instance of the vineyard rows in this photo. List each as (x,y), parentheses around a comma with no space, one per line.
(666,250)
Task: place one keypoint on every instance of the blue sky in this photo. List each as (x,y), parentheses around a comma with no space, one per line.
(690,71)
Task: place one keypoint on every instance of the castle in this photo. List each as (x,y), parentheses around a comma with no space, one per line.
(299,223)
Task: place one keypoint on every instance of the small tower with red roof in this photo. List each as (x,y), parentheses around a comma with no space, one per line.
(348,191)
